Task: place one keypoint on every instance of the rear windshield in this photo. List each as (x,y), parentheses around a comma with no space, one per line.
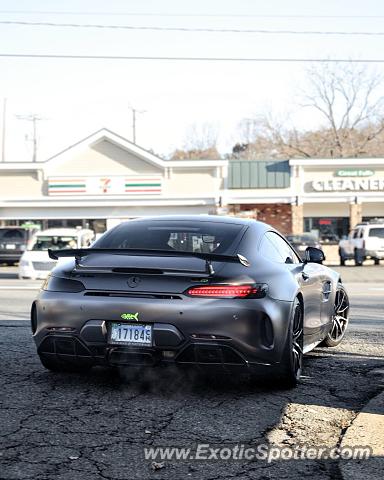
(54,242)
(376,232)
(13,234)
(198,237)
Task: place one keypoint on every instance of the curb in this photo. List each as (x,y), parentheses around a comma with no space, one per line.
(367,429)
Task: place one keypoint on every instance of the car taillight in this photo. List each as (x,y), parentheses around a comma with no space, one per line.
(58,284)
(229,291)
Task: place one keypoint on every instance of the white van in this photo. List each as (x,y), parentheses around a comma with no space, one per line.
(36,264)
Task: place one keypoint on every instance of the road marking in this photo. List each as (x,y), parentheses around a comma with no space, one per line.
(26,287)
(354,295)
(4,318)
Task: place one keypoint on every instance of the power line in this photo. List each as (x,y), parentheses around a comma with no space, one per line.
(214,15)
(193,59)
(188,29)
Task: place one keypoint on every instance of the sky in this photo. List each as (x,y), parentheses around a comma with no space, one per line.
(75,97)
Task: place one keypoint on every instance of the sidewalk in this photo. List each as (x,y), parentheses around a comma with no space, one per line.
(366,274)
(366,430)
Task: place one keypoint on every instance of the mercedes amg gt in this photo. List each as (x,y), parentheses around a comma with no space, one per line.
(203,291)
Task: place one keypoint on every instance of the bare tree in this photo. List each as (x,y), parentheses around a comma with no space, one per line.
(266,136)
(201,137)
(200,142)
(251,141)
(346,96)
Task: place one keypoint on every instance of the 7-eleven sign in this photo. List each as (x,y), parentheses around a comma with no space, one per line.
(105,184)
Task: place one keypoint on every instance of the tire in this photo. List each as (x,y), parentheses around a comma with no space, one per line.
(57,366)
(339,319)
(377,261)
(292,358)
(359,258)
(342,257)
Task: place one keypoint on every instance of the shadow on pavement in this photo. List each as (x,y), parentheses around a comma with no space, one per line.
(8,275)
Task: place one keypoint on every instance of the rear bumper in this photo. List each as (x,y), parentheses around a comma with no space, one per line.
(29,272)
(70,350)
(220,332)
(10,256)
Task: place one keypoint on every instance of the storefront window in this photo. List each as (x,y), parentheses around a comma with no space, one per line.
(55,223)
(24,223)
(76,222)
(98,225)
(327,229)
(373,219)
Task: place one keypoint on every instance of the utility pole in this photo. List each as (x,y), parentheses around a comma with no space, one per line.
(134,112)
(3,130)
(34,119)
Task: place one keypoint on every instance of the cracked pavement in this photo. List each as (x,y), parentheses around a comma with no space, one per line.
(94,426)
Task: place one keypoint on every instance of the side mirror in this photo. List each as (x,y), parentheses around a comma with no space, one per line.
(314,255)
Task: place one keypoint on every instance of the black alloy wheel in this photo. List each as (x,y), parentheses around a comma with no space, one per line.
(339,318)
(292,360)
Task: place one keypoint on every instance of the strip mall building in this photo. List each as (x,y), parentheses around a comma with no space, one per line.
(105,178)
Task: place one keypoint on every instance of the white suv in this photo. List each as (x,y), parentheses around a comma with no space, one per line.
(35,262)
(366,240)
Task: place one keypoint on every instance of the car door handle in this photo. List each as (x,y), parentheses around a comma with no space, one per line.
(305,275)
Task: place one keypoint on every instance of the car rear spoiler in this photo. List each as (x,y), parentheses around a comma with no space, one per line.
(78,253)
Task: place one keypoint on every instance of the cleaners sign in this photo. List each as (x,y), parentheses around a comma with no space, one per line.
(349,185)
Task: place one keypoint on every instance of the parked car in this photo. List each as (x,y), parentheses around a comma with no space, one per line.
(35,262)
(364,241)
(13,242)
(329,238)
(209,291)
(301,242)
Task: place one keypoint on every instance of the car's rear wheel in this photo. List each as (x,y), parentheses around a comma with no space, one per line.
(55,365)
(339,319)
(359,257)
(342,257)
(377,261)
(292,359)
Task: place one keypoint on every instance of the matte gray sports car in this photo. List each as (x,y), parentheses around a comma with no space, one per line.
(199,290)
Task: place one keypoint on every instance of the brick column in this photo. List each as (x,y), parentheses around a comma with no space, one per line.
(355,213)
(297,212)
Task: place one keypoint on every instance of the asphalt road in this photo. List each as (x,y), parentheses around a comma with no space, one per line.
(62,426)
